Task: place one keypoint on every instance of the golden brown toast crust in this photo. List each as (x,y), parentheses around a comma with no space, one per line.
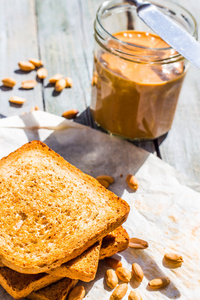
(51,211)
(56,291)
(84,267)
(114,242)
(20,285)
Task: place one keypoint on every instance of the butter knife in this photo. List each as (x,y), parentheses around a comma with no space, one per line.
(173,34)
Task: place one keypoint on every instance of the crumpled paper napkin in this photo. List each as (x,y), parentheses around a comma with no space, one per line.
(165,210)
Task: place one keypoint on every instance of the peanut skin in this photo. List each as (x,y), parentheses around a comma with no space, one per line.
(111,278)
(123,274)
(132,182)
(119,292)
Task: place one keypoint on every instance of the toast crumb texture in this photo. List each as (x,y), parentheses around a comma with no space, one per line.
(55,291)
(116,241)
(84,267)
(20,285)
(51,212)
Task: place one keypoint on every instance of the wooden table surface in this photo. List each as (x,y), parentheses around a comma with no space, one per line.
(61,34)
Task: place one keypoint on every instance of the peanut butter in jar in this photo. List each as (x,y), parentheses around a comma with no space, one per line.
(138,79)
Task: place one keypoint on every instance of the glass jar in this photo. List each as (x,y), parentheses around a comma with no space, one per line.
(137,77)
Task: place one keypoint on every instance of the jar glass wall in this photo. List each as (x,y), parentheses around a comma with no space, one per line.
(137,76)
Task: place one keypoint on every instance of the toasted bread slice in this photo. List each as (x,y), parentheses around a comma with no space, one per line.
(55,291)
(51,212)
(84,267)
(114,242)
(20,285)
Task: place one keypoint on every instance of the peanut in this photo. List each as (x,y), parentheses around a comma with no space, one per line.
(113,262)
(104,183)
(138,243)
(42,73)
(123,274)
(107,178)
(137,272)
(55,78)
(26,66)
(77,293)
(159,282)
(28,84)
(111,278)
(34,108)
(36,62)
(69,82)
(132,182)
(119,292)
(94,80)
(173,257)
(70,114)
(8,81)
(17,100)
(134,296)
(60,85)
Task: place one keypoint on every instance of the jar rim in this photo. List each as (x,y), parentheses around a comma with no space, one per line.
(130,7)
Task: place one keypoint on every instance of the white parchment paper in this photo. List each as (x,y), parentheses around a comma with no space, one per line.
(165,210)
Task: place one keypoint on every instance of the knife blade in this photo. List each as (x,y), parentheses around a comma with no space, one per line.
(177,37)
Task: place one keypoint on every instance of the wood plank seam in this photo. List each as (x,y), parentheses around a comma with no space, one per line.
(39,52)
(88,114)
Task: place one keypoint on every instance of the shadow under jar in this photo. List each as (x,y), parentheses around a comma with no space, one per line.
(137,77)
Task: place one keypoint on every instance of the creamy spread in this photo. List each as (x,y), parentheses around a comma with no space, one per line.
(136,100)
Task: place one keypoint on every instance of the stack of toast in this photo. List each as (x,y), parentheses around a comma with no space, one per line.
(56,223)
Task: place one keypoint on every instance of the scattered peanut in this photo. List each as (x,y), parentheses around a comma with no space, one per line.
(77,293)
(103,182)
(28,84)
(137,272)
(138,243)
(132,182)
(36,62)
(42,73)
(123,274)
(10,82)
(113,262)
(17,100)
(173,257)
(119,292)
(159,282)
(55,78)
(134,296)
(111,278)
(94,80)
(34,108)
(26,66)
(107,178)
(70,114)
(69,82)
(60,85)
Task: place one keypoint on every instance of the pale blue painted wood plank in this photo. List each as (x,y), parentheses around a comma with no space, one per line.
(18,41)
(181,148)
